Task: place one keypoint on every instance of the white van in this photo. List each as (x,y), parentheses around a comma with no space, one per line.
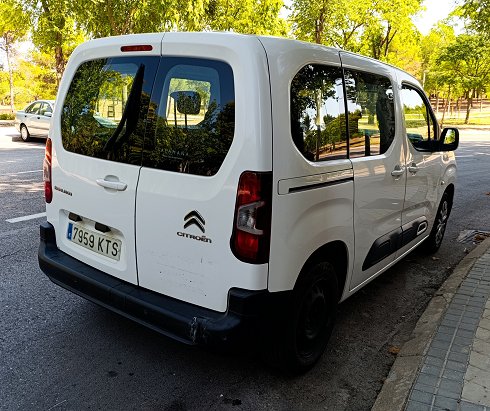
(216,187)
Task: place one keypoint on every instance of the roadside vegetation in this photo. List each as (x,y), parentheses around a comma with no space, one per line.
(453,65)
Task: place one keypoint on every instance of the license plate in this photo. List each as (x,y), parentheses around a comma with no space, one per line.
(99,243)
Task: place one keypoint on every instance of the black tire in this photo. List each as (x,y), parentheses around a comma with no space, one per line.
(309,321)
(24,133)
(434,241)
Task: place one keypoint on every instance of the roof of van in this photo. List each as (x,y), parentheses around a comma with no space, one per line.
(231,35)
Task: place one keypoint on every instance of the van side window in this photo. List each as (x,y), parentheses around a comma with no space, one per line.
(371,111)
(318,114)
(419,122)
(103,112)
(195,118)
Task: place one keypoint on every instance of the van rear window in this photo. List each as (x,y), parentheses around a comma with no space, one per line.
(103,111)
(195,119)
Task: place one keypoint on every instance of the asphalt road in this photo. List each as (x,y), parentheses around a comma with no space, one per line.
(60,352)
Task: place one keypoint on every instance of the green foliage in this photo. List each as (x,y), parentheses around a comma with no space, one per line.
(361,26)
(7,116)
(56,31)
(478,14)
(108,18)
(465,64)
(467,60)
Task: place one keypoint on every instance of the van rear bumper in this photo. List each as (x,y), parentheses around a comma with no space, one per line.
(188,323)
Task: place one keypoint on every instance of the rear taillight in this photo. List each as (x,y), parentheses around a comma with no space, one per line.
(48,187)
(250,241)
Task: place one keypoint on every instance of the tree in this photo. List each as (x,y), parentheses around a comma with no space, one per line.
(245,16)
(14,23)
(367,26)
(391,18)
(326,22)
(478,13)
(55,30)
(468,60)
(99,18)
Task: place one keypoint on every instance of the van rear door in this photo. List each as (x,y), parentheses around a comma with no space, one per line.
(97,142)
(205,134)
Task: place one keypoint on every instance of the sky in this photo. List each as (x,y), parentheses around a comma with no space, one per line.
(435,10)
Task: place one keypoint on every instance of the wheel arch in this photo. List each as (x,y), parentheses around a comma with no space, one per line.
(335,253)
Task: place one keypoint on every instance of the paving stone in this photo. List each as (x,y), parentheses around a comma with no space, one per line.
(478,376)
(485,324)
(453,375)
(476,310)
(431,370)
(450,385)
(468,406)
(438,362)
(443,337)
(460,349)
(467,320)
(424,388)
(481,347)
(463,341)
(442,345)
(421,396)
(482,334)
(449,404)
(438,353)
(473,314)
(474,393)
(457,366)
(462,358)
(448,394)
(486,313)
(468,327)
(430,380)
(417,406)
(464,333)
(446,330)
(449,323)
(481,361)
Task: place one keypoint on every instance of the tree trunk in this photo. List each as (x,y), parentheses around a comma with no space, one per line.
(446,105)
(11,72)
(468,109)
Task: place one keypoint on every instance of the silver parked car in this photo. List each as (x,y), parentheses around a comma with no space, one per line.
(34,119)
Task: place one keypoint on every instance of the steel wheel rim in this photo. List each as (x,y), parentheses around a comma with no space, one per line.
(313,321)
(23,132)
(441,222)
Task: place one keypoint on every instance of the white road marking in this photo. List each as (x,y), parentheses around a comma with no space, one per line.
(25,218)
(24,172)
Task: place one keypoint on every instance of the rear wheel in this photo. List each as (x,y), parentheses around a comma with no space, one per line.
(309,322)
(434,241)
(24,133)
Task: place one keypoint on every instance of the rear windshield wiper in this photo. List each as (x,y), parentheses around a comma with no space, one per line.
(130,115)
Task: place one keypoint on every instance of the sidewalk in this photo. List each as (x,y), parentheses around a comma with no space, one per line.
(446,363)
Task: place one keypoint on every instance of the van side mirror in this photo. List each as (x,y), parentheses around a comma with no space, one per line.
(449,140)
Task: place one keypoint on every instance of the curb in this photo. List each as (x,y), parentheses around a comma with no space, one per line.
(396,388)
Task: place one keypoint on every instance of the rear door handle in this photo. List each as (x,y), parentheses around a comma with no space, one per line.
(114,185)
(398,171)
